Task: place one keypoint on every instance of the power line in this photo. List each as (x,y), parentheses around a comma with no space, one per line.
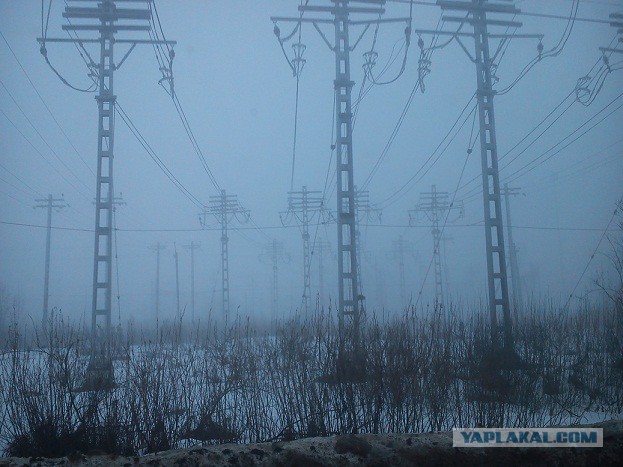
(46,106)
(161,165)
(591,257)
(42,156)
(281,227)
(41,136)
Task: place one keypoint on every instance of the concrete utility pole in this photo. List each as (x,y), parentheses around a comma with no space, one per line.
(274,252)
(512,248)
(400,249)
(350,305)
(50,203)
(100,373)
(302,207)
(224,208)
(192,247)
(321,249)
(475,13)
(433,204)
(158,247)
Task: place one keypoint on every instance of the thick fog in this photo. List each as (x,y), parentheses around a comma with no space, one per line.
(238,94)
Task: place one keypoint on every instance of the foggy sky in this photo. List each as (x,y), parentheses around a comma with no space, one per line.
(238,94)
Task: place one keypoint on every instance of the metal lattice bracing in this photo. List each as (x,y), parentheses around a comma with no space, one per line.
(350,300)
(494,230)
(475,13)
(434,204)
(224,208)
(102,268)
(108,21)
(349,308)
(302,207)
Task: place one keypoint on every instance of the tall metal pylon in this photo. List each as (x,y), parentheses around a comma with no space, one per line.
(106,17)
(158,247)
(321,249)
(50,203)
(224,208)
(363,212)
(303,206)
(275,252)
(475,14)
(192,247)
(433,204)
(350,302)
(399,250)
(177,282)
(512,248)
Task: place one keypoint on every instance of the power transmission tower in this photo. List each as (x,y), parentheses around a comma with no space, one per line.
(192,247)
(224,208)
(433,204)
(321,249)
(350,305)
(177,282)
(275,252)
(400,249)
(475,13)
(444,251)
(50,203)
(106,15)
(302,207)
(363,212)
(512,248)
(116,201)
(158,247)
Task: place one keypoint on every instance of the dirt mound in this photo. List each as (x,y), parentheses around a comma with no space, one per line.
(428,449)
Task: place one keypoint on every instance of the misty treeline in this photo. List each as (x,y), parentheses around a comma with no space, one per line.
(423,372)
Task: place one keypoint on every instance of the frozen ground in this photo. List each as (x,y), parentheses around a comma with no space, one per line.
(369,450)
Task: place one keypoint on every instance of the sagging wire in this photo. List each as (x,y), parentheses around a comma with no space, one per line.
(296,65)
(165,60)
(370,57)
(588,87)
(553,52)
(44,52)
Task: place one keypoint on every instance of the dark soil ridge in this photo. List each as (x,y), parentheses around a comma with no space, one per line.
(394,449)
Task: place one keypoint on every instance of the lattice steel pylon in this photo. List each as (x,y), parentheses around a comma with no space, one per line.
(303,206)
(399,250)
(433,204)
(321,249)
(50,203)
(350,300)
(275,253)
(475,13)
(512,248)
(224,208)
(106,17)
(363,212)
(158,247)
(192,247)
